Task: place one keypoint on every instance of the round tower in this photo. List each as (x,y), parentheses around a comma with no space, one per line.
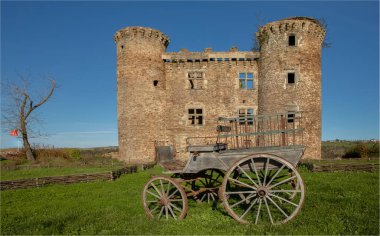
(140,91)
(290,74)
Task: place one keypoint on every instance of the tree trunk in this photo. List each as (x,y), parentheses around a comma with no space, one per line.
(28,150)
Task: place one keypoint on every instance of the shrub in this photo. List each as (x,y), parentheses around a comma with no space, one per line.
(74,153)
(360,150)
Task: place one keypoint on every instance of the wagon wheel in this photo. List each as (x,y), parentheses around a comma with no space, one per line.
(208,184)
(163,197)
(262,188)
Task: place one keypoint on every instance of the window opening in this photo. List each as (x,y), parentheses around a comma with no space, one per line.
(292,40)
(290,117)
(246,115)
(155,83)
(195,79)
(291,78)
(246,81)
(195,116)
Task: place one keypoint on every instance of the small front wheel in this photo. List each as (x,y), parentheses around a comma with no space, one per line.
(164,198)
(262,188)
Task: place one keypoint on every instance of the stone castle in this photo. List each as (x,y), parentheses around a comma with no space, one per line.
(170,96)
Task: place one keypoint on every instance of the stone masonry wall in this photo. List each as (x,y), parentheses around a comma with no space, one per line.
(154,93)
(220,94)
(141,104)
(277,59)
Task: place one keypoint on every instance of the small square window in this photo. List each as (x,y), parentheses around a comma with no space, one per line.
(291,117)
(195,80)
(195,116)
(291,78)
(292,40)
(246,81)
(246,115)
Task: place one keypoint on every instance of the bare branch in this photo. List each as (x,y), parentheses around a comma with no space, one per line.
(31,107)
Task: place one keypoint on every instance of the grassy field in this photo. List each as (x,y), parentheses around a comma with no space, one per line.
(336,203)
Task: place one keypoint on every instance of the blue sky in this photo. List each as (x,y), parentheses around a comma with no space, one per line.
(73,41)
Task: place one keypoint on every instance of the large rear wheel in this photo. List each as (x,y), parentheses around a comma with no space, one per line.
(262,188)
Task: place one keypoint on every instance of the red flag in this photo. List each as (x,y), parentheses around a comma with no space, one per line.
(14,132)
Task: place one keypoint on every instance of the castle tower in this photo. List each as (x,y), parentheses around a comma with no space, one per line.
(140,92)
(290,74)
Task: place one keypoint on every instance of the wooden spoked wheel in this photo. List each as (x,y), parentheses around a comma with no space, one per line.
(262,188)
(207,184)
(164,198)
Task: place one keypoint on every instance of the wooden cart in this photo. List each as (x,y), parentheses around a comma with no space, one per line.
(250,166)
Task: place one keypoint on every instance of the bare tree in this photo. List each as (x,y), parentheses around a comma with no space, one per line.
(19,109)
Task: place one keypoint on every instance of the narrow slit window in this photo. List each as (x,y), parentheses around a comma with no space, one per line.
(291,78)
(292,40)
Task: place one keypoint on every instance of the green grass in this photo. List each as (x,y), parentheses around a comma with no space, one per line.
(53,171)
(336,203)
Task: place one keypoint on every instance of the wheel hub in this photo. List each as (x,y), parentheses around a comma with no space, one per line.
(164,201)
(262,191)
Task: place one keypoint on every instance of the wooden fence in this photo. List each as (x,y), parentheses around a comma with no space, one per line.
(341,167)
(68,179)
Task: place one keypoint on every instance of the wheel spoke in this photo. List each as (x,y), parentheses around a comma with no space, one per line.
(166,213)
(162,187)
(285,191)
(167,191)
(258,211)
(171,212)
(249,208)
(239,202)
(155,188)
(274,176)
(204,195)
(162,210)
(283,181)
(230,193)
(153,194)
(249,177)
(212,196)
(175,207)
(283,199)
(173,193)
(279,208)
(175,200)
(244,184)
(266,171)
(270,215)
(254,168)
(154,208)
(204,184)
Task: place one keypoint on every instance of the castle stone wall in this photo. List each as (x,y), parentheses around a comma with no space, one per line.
(141,105)
(277,59)
(157,89)
(220,94)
